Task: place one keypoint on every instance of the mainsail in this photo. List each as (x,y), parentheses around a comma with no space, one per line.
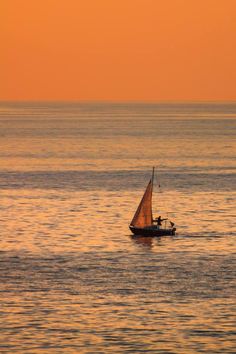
(143,216)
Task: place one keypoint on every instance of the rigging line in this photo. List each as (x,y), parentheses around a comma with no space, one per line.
(162,199)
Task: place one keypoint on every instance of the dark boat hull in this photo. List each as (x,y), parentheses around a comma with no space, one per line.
(152,231)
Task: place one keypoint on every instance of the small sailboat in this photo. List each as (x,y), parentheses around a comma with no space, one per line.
(143,222)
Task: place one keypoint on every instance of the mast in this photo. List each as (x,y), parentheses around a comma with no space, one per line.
(153,170)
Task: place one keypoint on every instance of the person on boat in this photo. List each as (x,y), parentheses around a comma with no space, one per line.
(159,221)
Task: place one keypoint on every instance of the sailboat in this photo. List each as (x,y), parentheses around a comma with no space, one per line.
(143,222)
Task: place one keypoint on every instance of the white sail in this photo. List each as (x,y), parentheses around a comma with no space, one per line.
(143,216)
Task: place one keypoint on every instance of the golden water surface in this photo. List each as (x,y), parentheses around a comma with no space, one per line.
(72,277)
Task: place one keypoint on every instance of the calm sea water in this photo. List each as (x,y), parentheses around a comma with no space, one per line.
(72,278)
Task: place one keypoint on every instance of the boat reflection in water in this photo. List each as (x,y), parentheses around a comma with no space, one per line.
(143,222)
(143,241)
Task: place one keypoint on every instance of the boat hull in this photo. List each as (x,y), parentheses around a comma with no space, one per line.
(152,231)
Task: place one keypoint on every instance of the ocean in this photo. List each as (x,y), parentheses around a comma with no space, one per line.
(72,277)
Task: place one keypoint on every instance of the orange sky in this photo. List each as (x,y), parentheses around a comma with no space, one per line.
(118,50)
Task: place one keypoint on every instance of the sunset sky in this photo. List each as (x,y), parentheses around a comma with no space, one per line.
(118,50)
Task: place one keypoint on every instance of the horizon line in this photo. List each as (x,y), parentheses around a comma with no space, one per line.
(119,101)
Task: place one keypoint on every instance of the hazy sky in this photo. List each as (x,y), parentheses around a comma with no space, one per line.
(118,50)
